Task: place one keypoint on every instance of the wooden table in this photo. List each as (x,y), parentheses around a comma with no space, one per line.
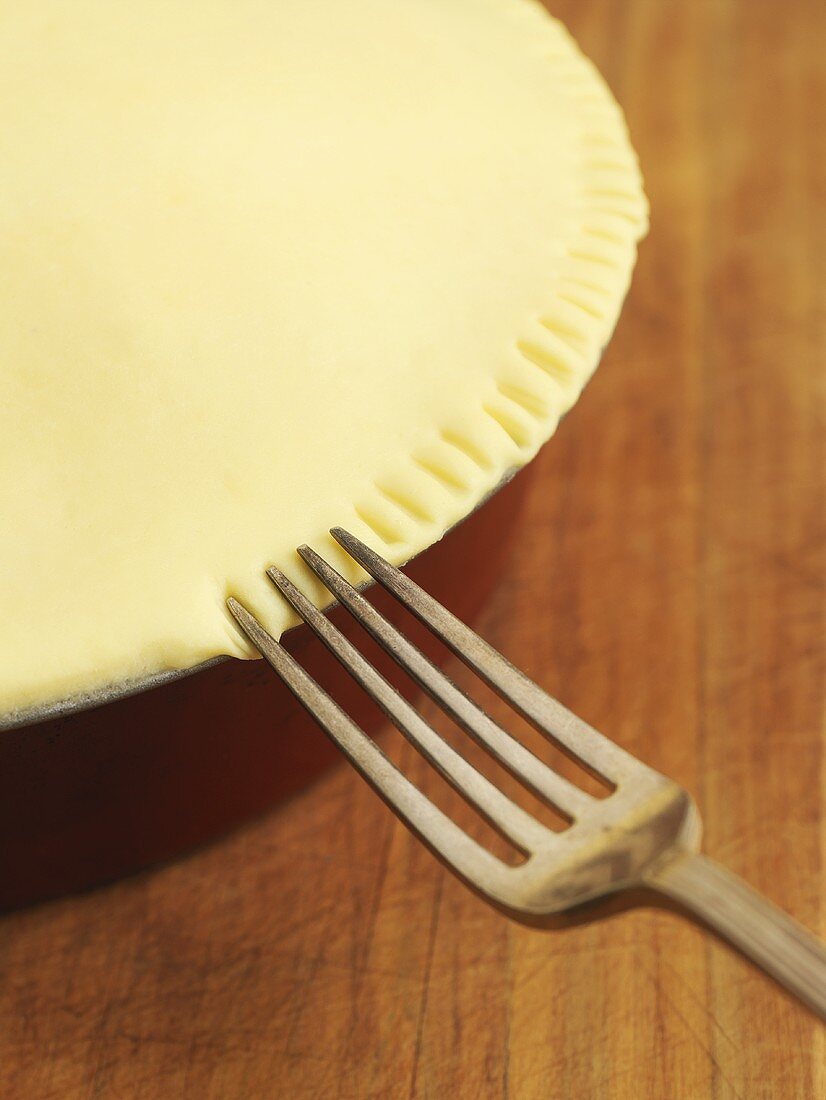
(668,586)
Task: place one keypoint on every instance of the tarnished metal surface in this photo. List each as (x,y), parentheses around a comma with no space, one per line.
(646,831)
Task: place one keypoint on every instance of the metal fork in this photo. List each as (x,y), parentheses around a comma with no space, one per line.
(645,833)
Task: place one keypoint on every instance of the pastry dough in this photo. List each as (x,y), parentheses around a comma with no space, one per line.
(267,266)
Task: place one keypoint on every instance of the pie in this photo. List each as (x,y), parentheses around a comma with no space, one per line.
(270,266)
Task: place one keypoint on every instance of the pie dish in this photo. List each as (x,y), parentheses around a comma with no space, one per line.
(269,269)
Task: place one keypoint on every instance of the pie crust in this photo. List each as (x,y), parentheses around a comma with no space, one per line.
(268,269)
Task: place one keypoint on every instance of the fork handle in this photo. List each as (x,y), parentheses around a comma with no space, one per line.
(770,937)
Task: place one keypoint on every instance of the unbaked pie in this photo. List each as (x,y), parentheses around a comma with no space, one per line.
(270,266)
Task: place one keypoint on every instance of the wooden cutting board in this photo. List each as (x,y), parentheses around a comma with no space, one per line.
(668,586)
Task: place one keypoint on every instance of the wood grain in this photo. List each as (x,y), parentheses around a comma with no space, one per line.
(668,586)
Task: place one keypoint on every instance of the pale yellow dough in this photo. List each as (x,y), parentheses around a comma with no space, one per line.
(267,266)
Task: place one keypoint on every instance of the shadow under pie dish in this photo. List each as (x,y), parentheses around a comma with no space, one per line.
(267,270)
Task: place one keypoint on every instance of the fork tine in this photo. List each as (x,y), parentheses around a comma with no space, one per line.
(569,799)
(582,741)
(458,850)
(517,826)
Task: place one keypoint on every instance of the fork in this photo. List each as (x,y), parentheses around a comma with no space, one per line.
(646,832)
